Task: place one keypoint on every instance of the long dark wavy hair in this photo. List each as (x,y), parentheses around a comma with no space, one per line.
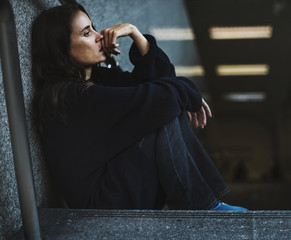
(52,68)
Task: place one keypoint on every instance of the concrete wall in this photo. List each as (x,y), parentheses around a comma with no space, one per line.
(10,220)
(104,13)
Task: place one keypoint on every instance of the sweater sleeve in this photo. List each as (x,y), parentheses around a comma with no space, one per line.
(124,115)
(153,65)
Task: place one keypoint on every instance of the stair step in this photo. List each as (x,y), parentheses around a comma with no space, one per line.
(75,224)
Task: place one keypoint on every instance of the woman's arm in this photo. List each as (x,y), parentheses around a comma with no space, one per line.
(199,118)
(111,34)
(140,41)
(150,62)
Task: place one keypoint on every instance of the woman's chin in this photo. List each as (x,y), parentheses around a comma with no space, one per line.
(103,59)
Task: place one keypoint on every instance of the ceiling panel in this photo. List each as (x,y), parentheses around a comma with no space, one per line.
(276,52)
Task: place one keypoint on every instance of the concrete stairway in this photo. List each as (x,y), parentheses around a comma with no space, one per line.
(135,224)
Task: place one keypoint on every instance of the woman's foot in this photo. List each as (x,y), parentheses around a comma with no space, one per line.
(220,206)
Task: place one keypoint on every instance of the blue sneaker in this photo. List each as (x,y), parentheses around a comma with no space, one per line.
(220,206)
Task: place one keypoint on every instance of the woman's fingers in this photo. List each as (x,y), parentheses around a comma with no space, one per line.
(111,34)
(109,42)
(202,117)
(104,42)
(195,119)
(207,108)
(112,37)
(199,118)
(189,115)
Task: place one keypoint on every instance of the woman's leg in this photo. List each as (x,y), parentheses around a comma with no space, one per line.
(187,175)
(205,165)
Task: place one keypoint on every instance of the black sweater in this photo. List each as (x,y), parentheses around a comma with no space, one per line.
(94,157)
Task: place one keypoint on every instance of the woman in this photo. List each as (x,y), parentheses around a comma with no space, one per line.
(117,139)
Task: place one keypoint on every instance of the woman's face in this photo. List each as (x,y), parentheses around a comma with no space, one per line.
(85,48)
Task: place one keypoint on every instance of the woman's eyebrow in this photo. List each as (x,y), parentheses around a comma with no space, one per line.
(85,28)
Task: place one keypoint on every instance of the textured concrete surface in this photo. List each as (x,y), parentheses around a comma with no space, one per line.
(10,220)
(178,225)
(104,13)
(25,12)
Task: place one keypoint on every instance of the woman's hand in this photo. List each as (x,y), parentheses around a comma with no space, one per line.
(199,118)
(111,34)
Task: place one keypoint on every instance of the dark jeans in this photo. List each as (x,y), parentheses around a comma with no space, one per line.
(186,173)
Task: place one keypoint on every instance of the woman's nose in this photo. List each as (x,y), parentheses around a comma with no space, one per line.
(99,36)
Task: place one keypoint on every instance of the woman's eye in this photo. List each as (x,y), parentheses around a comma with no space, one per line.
(86,34)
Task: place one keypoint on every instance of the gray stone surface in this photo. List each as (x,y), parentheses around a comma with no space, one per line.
(179,225)
(10,220)
(104,13)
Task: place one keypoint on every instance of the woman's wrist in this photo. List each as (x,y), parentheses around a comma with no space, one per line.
(140,41)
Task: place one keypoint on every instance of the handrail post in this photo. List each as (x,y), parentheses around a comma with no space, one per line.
(17,121)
